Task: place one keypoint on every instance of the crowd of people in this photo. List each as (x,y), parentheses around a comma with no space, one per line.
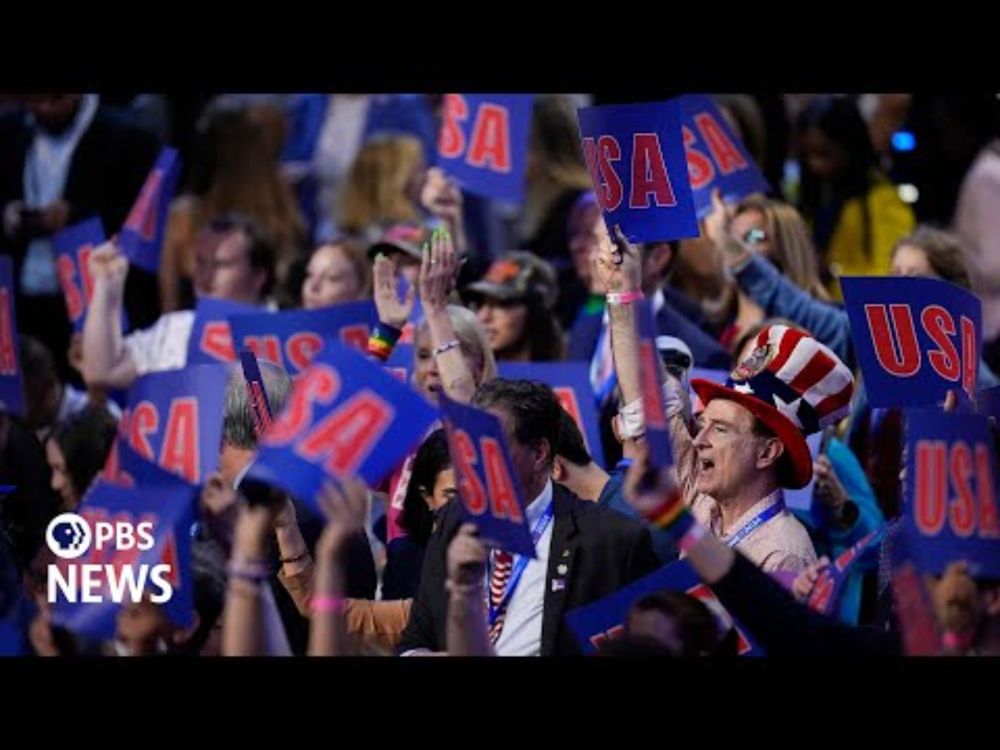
(311,201)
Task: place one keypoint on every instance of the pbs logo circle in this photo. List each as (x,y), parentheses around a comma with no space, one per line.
(68,535)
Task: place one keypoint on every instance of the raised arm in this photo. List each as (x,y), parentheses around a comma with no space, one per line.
(777,295)
(619,267)
(345,509)
(106,362)
(438,272)
(467,633)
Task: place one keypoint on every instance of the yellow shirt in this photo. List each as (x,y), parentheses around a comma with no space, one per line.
(890,220)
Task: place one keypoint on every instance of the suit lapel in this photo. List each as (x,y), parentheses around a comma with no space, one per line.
(562,554)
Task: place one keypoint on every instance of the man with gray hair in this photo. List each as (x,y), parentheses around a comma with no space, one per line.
(239,425)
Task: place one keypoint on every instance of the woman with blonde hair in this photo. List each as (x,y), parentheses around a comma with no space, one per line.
(238,172)
(382,188)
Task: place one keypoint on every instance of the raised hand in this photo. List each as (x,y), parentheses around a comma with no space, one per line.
(438,271)
(108,266)
(392,310)
(804,582)
(345,508)
(466,557)
(617,264)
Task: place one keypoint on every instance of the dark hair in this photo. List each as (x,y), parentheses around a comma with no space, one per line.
(696,624)
(944,253)
(840,120)
(261,251)
(532,405)
(85,440)
(208,568)
(37,362)
(545,336)
(571,445)
(431,459)
(27,510)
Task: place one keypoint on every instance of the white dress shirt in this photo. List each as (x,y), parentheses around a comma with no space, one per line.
(522,628)
(162,346)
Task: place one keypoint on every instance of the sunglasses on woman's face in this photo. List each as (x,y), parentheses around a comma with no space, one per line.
(754,236)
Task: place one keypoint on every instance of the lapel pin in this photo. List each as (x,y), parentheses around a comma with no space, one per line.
(558,584)
(565,553)
(562,569)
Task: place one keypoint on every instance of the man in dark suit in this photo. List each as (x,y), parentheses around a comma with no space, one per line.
(584,552)
(63,159)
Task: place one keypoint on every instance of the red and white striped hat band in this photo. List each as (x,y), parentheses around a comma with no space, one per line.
(795,374)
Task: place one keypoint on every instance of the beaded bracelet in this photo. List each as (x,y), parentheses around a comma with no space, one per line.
(453,344)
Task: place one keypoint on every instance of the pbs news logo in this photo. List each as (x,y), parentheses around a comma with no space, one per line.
(70,536)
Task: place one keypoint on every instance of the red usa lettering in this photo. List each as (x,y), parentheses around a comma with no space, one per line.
(317,385)
(142,217)
(8,355)
(490,142)
(451,140)
(217,341)
(725,153)
(355,335)
(264,347)
(700,169)
(179,449)
(345,438)
(961,467)
(302,347)
(567,397)
(652,407)
(463,453)
(600,156)
(599,639)
(897,347)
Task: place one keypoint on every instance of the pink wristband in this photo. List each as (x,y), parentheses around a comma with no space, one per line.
(624,298)
(327,604)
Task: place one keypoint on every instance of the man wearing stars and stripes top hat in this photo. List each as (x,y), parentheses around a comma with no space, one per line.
(750,442)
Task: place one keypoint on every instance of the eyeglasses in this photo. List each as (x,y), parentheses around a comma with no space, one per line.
(754,236)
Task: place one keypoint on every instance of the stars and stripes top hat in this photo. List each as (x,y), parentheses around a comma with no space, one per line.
(795,386)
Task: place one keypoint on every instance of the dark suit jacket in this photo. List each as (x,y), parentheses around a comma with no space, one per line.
(707,352)
(107,171)
(603,551)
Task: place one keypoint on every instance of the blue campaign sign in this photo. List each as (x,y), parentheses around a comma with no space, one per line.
(825,595)
(489,489)
(141,238)
(291,339)
(596,623)
(951,492)
(571,383)
(715,156)
(400,362)
(345,417)
(483,143)
(11,377)
(653,408)
(153,559)
(73,247)
(635,155)
(174,419)
(915,338)
(988,402)
(211,338)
